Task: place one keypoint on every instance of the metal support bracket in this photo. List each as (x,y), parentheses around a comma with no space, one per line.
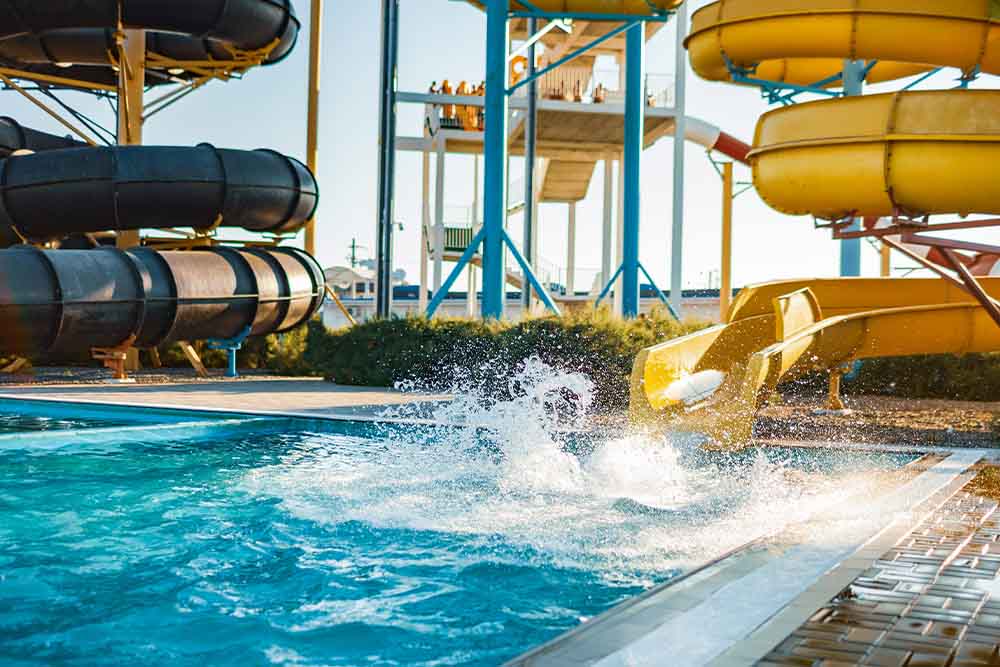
(566,27)
(114,358)
(972,285)
(231,346)
(469,253)
(659,293)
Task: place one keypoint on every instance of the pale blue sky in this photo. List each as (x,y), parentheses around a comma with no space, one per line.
(444,39)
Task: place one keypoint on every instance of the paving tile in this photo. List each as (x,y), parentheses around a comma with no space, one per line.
(887,657)
(926,601)
(928,660)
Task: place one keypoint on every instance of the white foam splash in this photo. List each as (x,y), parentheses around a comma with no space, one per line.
(629,503)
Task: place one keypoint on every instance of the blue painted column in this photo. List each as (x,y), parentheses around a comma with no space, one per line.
(850,249)
(635,112)
(495,154)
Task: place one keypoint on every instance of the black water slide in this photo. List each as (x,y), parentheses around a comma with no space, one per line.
(16,137)
(63,302)
(77,190)
(76,38)
(68,301)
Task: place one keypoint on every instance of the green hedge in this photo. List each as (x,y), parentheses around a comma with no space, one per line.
(973,377)
(280,353)
(435,354)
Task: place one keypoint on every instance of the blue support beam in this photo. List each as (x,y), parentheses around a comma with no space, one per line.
(495,158)
(659,293)
(231,346)
(530,278)
(463,261)
(635,111)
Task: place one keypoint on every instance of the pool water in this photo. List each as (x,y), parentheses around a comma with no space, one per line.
(360,544)
(20,423)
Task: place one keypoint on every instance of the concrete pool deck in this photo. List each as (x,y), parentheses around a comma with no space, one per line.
(278,396)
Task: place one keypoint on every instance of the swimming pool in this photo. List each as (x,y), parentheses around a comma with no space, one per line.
(274,541)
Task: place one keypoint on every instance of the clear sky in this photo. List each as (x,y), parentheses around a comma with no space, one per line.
(444,39)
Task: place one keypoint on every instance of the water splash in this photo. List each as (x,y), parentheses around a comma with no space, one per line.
(522,469)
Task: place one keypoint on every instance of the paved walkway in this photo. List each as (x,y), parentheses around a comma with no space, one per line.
(285,396)
(933,600)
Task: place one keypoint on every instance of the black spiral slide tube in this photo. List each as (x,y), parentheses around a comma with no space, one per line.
(63,302)
(57,192)
(76,38)
(16,137)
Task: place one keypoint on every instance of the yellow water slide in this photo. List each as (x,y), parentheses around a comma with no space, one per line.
(910,153)
(927,152)
(714,380)
(806,41)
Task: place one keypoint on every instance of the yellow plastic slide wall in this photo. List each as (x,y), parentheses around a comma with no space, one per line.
(927,152)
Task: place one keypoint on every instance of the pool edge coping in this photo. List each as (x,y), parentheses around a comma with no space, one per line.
(755,644)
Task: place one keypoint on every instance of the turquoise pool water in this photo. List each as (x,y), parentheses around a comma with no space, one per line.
(276,542)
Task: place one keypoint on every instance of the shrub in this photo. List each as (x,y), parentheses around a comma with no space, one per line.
(434,353)
(282,353)
(973,377)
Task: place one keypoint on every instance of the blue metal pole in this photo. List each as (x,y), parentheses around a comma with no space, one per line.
(635,111)
(495,154)
(850,249)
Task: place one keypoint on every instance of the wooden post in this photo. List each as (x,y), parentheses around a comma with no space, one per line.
(835,402)
(193,358)
(131,81)
(131,85)
(726,278)
(312,124)
(115,358)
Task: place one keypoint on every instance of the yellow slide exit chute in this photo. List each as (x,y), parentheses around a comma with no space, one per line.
(806,41)
(714,380)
